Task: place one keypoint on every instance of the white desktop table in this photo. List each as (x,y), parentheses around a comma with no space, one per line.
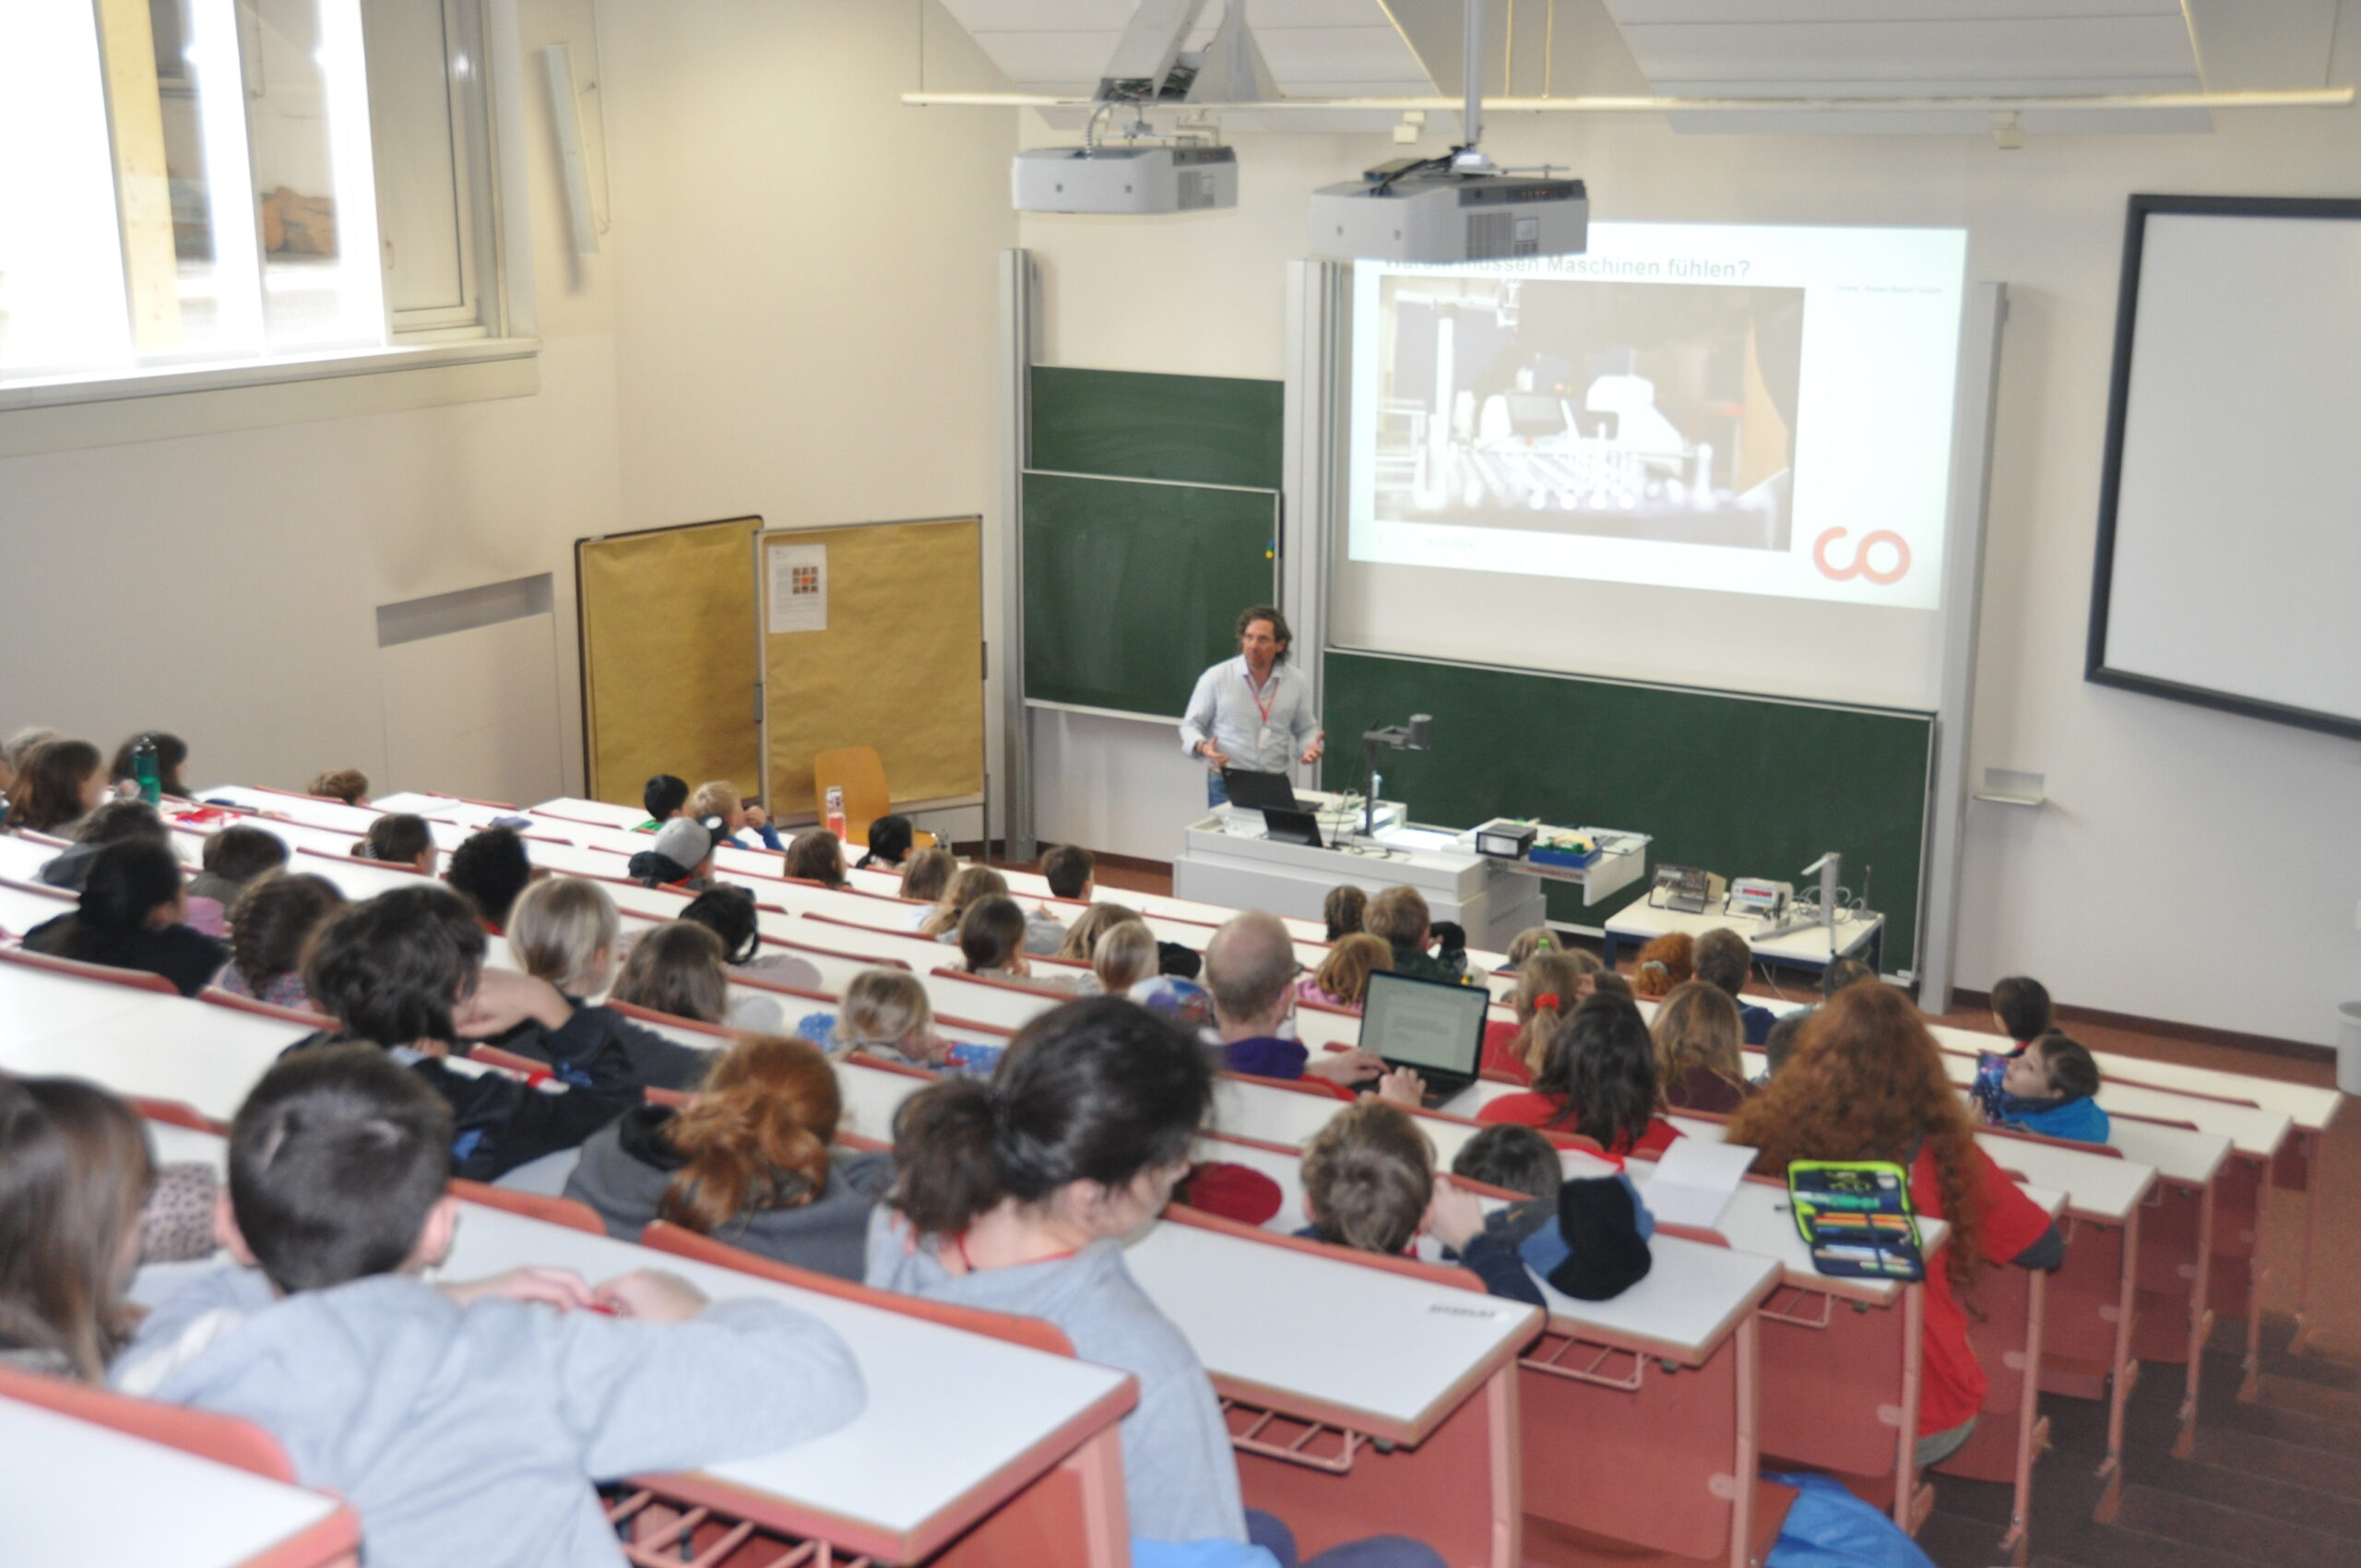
(1857,935)
(83,1492)
(1223,861)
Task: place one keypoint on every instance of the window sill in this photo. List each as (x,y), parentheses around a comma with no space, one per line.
(67,412)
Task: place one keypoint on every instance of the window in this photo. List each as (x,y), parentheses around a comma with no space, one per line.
(190,184)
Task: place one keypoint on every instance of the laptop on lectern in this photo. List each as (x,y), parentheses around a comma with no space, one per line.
(1255,791)
(1433,1025)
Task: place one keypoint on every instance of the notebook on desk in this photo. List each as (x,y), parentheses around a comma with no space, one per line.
(1432,1026)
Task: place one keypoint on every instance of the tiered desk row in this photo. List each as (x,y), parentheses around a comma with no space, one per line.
(1363,1395)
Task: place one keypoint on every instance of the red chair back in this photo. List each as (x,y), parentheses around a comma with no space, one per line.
(225,1439)
(650,1015)
(1433,1273)
(1031,988)
(105,974)
(1030,1332)
(567,1212)
(173,1113)
(213,995)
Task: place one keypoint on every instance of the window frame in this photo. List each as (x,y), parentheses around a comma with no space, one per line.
(491,324)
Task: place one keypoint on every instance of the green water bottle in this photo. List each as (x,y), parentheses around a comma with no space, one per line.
(144,769)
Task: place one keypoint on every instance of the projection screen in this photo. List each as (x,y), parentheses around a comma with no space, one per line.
(2229,545)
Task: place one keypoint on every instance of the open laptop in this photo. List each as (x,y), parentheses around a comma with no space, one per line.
(1291,826)
(1254,791)
(1433,1025)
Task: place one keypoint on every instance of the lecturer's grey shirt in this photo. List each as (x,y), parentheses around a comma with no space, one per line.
(1226,707)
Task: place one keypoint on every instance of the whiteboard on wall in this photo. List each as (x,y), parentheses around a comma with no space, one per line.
(2229,551)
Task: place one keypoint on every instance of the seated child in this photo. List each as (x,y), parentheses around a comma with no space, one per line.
(1697,1035)
(1400,916)
(966,884)
(751,1162)
(1368,1184)
(728,911)
(566,931)
(1598,1080)
(1588,1236)
(1081,940)
(1670,960)
(1780,1044)
(1111,1100)
(1725,960)
(75,1169)
(130,917)
(1526,943)
(2020,1010)
(405,971)
(1548,987)
(719,798)
(991,942)
(1342,979)
(271,925)
(465,1423)
(2047,1087)
(234,858)
(887,1015)
(490,870)
(1343,910)
(346,784)
(1069,870)
(816,855)
(1128,962)
(682,855)
(662,798)
(397,838)
(890,838)
(680,968)
(1450,945)
(925,874)
(112,823)
(1842,973)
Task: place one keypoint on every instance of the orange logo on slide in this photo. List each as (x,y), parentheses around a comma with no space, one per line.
(1860,566)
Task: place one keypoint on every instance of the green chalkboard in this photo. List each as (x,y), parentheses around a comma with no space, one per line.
(1190,429)
(1132,589)
(1742,785)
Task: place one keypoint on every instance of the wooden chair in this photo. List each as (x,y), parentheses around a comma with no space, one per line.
(858,772)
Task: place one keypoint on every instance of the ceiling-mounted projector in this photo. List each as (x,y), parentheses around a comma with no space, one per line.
(1456,208)
(1185,177)
(1430,212)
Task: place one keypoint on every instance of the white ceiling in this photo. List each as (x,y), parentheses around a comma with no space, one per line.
(1731,49)
(1314,48)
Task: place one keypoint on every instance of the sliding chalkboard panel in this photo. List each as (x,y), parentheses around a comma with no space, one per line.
(1189,429)
(1742,785)
(1131,590)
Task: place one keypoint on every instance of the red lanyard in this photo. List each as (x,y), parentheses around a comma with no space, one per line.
(1262,702)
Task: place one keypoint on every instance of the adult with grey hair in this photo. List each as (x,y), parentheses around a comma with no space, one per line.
(1254,711)
(1249,969)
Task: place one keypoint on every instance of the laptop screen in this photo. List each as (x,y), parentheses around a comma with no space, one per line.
(1255,791)
(1425,1023)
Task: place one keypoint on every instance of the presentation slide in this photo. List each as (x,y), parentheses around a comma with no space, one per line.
(1736,409)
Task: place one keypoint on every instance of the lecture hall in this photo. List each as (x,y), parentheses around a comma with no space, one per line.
(1190,783)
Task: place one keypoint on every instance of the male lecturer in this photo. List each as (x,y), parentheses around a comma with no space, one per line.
(1254,711)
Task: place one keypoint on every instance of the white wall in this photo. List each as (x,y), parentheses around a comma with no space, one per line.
(804,272)
(2184,853)
(224,585)
(809,336)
